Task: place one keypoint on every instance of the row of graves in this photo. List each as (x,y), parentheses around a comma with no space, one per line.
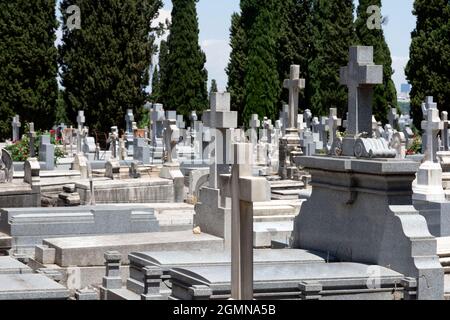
(303,208)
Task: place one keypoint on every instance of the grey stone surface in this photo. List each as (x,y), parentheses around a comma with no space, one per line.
(281,281)
(9,265)
(29,226)
(368,217)
(47,152)
(89,250)
(437,214)
(18,195)
(145,190)
(30,287)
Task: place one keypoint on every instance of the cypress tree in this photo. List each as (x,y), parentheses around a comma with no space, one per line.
(28,60)
(333,34)
(237,65)
(187,86)
(428,69)
(156,85)
(385,94)
(262,81)
(105,64)
(295,42)
(164,78)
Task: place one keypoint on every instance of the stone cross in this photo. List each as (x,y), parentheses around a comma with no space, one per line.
(294,84)
(254,126)
(308,118)
(16,128)
(393,117)
(360,75)
(432,126)
(333,124)
(445,131)
(129,118)
(113,139)
(32,138)
(323,129)
(80,121)
(219,118)
(244,190)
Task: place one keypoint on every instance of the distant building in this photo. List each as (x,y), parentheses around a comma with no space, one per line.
(405,88)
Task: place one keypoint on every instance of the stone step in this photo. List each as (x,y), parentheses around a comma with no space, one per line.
(281,210)
(266,232)
(273,218)
(286,184)
(89,250)
(283,197)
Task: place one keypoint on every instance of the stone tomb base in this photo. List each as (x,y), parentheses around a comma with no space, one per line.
(437,214)
(153,190)
(19,195)
(167,260)
(361,211)
(29,226)
(82,258)
(295,281)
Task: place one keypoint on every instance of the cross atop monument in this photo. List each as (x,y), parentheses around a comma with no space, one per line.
(432,126)
(294,84)
(360,75)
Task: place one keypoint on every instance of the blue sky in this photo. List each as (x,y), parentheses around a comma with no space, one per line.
(214,20)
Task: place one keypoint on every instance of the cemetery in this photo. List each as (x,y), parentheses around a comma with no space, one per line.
(178,202)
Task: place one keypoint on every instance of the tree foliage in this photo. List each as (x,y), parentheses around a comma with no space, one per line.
(28,71)
(428,69)
(185,78)
(385,95)
(105,64)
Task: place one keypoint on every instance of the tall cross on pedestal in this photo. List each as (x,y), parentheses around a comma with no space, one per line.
(294,84)
(432,126)
(360,76)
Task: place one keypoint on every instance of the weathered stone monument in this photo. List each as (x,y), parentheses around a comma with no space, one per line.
(428,186)
(213,210)
(47,152)
(361,210)
(290,142)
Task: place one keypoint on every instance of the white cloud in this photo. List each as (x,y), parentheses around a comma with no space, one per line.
(399,64)
(217,56)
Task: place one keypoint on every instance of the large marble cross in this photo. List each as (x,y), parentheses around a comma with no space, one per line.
(255,124)
(294,84)
(432,127)
(360,76)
